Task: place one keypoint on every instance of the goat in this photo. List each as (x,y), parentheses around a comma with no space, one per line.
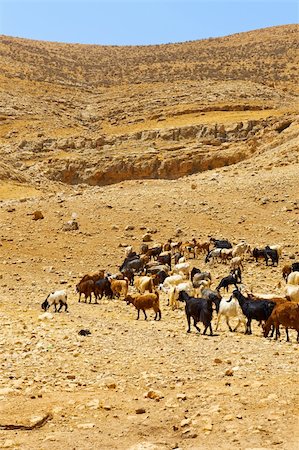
(236,263)
(253,310)
(287,315)
(202,276)
(177,257)
(103,287)
(159,277)
(56,298)
(230,308)
(174,293)
(144,302)
(164,258)
(200,309)
(221,243)
(213,254)
(154,252)
(188,248)
(144,283)
(202,247)
(226,281)
(286,270)
(209,294)
(240,249)
(156,268)
(171,281)
(225,254)
(134,263)
(86,288)
(183,268)
(292,292)
(193,272)
(143,248)
(276,247)
(129,251)
(175,247)
(201,283)
(128,273)
(119,287)
(266,253)
(293,278)
(94,276)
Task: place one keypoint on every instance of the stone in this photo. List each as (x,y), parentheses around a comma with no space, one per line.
(140,411)
(154,395)
(37,215)
(71,225)
(147,237)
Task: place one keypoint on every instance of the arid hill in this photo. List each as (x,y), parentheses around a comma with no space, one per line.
(99,115)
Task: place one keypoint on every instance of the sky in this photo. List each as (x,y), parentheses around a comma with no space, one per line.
(140,22)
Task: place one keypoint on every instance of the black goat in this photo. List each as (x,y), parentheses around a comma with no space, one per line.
(135,264)
(103,287)
(221,243)
(253,309)
(200,309)
(154,252)
(226,281)
(266,253)
(164,259)
(159,277)
(295,267)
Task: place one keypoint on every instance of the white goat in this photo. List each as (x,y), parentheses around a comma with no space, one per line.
(292,292)
(56,298)
(170,282)
(230,308)
(240,249)
(182,268)
(236,263)
(293,278)
(144,283)
(174,293)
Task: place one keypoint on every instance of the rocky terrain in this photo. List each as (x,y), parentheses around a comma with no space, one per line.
(130,141)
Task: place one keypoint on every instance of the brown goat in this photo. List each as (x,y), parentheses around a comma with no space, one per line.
(94,276)
(202,247)
(87,288)
(287,315)
(119,287)
(145,301)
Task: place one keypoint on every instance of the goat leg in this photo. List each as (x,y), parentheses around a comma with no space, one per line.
(189,324)
(229,327)
(145,316)
(198,329)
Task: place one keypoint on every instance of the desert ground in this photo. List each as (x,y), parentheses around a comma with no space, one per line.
(174,161)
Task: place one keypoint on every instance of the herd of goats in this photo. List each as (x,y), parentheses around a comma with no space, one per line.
(167,268)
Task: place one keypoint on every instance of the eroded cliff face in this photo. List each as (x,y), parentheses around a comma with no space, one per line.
(162,153)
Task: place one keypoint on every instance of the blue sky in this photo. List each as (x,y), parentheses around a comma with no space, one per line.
(139,22)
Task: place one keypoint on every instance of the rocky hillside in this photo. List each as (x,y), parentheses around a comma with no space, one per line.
(99,115)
